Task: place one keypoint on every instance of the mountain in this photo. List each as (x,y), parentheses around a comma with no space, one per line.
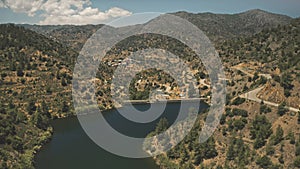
(225,26)
(216,26)
(69,35)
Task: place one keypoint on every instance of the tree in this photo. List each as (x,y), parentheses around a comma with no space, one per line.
(20,73)
(239,124)
(16,143)
(265,109)
(63,82)
(270,150)
(260,130)
(231,153)
(183,155)
(278,137)
(280,159)
(240,112)
(20,117)
(297,162)
(281,109)
(297,153)
(299,117)
(188,165)
(238,101)
(39,119)
(255,77)
(162,125)
(264,162)
(259,142)
(31,108)
(65,107)
(223,119)
(291,136)
(45,109)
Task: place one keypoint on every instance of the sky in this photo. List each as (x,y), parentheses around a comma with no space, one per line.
(80,12)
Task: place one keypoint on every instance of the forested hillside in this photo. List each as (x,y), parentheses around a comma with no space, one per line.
(35,87)
(251,134)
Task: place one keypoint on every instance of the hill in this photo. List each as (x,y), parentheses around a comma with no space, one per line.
(226,26)
(35,87)
(69,35)
(251,134)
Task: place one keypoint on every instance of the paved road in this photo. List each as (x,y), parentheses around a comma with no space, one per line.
(252,95)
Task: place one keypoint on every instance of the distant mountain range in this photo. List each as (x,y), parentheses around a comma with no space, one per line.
(216,26)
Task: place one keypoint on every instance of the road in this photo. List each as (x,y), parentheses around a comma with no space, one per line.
(252,95)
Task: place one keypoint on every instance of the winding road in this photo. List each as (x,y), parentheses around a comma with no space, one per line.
(252,95)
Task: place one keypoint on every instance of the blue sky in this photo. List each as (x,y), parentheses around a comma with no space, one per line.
(100,11)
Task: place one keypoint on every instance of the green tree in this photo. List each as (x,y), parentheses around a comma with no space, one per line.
(260,130)
(65,107)
(291,137)
(264,162)
(299,117)
(16,143)
(20,72)
(31,108)
(238,101)
(270,150)
(281,109)
(162,125)
(20,117)
(278,135)
(63,82)
(39,119)
(265,109)
(297,162)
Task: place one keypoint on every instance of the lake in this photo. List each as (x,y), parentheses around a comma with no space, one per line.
(71,148)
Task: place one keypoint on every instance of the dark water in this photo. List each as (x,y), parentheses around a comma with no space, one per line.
(71,148)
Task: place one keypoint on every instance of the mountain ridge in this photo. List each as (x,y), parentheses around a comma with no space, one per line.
(216,26)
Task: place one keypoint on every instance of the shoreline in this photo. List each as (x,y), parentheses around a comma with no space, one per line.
(38,148)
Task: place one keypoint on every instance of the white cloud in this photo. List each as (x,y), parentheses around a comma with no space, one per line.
(61,12)
(28,6)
